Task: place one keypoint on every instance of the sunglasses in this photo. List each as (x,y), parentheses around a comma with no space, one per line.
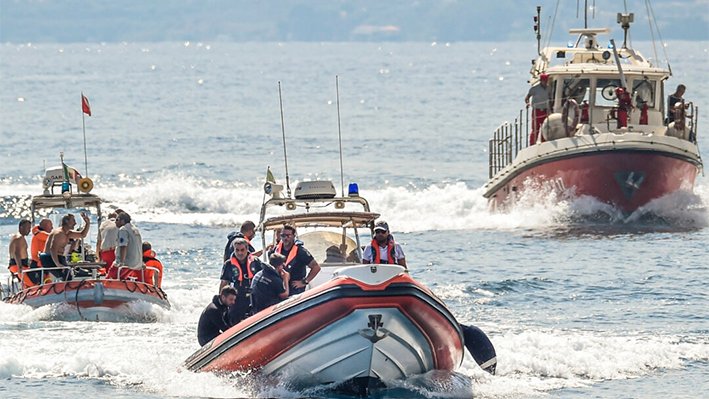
(286,235)
(380,231)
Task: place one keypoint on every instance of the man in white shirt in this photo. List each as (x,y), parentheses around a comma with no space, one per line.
(107,239)
(387,251)
(129,250)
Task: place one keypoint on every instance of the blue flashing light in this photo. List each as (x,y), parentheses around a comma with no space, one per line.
(610,45)
(570,44)
(65,187)
(353,190)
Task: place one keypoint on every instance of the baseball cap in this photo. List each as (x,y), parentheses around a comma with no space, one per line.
(381,226)
(544,76)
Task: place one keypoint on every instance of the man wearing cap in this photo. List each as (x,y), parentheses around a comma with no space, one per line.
(540,94)
(298,259)
(387,250)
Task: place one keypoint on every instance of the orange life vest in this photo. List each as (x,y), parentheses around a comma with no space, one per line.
(391,250)
(39,240)
(237,267)
(150,261)
(291,255)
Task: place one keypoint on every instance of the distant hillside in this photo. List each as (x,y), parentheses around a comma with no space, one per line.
(326,20)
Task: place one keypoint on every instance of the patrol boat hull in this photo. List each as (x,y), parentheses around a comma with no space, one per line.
(369,325)
(94,299)
(626,171)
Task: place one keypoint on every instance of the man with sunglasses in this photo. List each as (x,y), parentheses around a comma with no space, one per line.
(297,260)
(383,249)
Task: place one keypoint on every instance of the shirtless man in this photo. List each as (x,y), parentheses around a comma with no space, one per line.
(58,239)
(18,250)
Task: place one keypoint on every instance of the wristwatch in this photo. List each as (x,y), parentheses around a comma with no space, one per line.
(305,281)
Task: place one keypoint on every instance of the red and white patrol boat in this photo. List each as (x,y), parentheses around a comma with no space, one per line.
(88,294)
(364,325)
(606,135)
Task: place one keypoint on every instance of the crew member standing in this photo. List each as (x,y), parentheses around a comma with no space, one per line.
(129,252)
(108,239)
(270,285)
(39,241)
(297,259)
(238,272)
(540,95)
(383,249)
(19,263)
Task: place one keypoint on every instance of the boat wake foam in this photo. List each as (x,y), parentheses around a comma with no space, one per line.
(174,198)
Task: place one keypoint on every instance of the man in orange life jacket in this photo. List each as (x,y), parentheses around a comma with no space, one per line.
(39,241)
(383,249)
(297,259)
(150,261)
(238,271)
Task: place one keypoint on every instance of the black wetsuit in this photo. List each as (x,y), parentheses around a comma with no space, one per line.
(213,321)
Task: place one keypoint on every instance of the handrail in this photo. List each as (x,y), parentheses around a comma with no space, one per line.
(507,141)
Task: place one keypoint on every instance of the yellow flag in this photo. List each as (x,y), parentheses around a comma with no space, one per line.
(269,176)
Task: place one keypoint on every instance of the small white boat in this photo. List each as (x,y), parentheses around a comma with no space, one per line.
(88,292)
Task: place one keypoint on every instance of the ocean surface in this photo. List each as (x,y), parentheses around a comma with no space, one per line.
(578,300)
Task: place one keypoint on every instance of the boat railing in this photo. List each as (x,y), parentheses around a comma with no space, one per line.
(508,140)
(142,274)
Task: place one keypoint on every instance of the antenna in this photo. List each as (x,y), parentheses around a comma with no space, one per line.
(537,29)
(283,129)
(339,131)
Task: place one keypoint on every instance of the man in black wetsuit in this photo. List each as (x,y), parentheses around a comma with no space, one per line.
(270,285)
(237,272)
(215,317)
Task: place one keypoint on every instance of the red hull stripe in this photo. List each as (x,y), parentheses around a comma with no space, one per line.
(67,290)
(595,175)
(263,337)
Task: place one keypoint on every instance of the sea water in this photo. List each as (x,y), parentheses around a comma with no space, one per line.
(578,300)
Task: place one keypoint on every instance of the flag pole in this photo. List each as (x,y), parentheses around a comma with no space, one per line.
(83,124)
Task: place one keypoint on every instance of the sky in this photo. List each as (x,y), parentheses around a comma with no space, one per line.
(69,21)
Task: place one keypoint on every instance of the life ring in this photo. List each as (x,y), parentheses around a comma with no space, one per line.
(86,185)
(565,116)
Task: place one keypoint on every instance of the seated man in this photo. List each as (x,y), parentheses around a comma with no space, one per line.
(270,285)
(150,261)
(57,241)
(215,317)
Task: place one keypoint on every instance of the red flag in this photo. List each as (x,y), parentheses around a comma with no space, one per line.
(85,105)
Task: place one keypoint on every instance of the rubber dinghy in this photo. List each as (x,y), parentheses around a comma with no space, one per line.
(369,324)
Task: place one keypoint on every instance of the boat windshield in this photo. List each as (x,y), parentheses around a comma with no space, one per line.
(605,92)
(331,248)
(644,90)
(576,88)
